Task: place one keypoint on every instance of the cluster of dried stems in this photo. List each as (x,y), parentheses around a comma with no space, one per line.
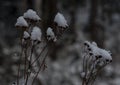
(92,65)
(29,55)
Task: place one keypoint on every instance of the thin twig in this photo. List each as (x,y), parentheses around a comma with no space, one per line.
(19,69)
(29,64)
(40,67)
(39,55)
(25,63)
(97,73)
(20,58)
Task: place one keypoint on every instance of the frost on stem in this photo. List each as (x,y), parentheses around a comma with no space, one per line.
(31,15)
(60,20)
(21,22)
(36,34)
(50,34)
(94,59)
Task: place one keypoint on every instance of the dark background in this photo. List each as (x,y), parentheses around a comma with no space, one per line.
(93,20)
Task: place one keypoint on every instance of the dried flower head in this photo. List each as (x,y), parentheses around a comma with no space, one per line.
(60,20)
(21,23)
(50,34)
(31,15)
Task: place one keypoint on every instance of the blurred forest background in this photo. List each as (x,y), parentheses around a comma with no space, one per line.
(93,20)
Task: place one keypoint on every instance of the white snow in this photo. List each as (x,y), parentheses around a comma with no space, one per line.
(105,54)
(98,51)
(95,49)
(50,34)
(36,34)
(94,43)
(21,22)
(60,20)
(30,14)
(26,35)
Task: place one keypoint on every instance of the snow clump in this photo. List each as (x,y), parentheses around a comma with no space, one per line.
(60,20)
(26,35)
(21,22)
(50,34)
(32,15)
(98,52)
(36,34)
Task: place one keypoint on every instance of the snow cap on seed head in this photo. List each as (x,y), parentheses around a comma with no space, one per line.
(26,35)
(21,22)
(36,34)
(98,51)
(32,15)
(60,20)
(50,34)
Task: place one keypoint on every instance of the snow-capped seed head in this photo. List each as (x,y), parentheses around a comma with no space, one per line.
(94,43)
(21,22)
(26,35)
(98,52)
(106,54)
(32,15)
(60,20)
(50,34)
(36,34)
